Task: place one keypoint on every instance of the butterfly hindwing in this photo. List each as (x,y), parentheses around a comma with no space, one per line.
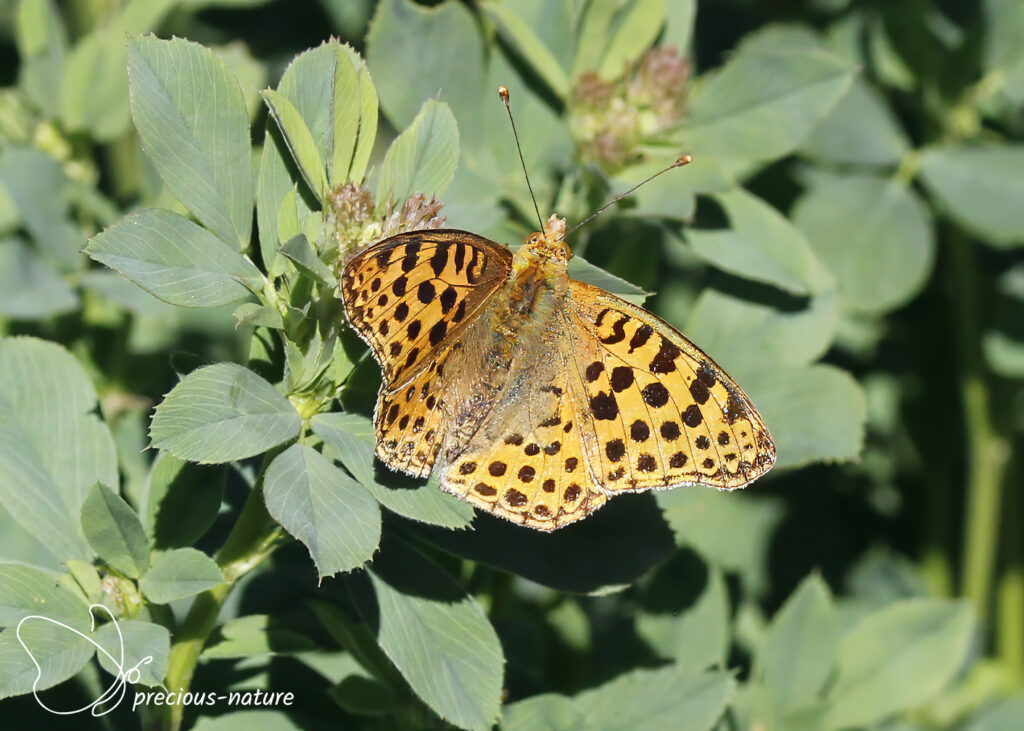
(410,420)
(661,412)
(526,461)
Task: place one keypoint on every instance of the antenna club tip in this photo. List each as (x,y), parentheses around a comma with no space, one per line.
(683,160)
(503,94)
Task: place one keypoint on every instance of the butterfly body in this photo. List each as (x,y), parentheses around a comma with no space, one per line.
(539,396)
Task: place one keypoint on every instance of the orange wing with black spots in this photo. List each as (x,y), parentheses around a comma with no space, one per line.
(409,297)
(406,294)
(527,461)
(540,396)
(659,411)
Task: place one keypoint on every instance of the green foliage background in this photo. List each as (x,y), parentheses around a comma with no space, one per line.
(846,244)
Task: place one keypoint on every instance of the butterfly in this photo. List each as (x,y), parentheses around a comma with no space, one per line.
(537,397)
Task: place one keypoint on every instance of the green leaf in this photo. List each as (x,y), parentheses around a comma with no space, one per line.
(302,254)
(250,314)
(60,654)
(299,140)
(352,438)
(316,83)
(126,294)
(694,637)
(174,259)
(345,121)
(657,699)
(775,37)
(860,130)
(760,244)
(980,187)
(26,590)
(36,184)
(423,158)
(9,218)
(416,52)
(332,514)
(93,95)
(897,658)
(731,531)
(357,639)
(436,635)
(332,93)
(730,329)
(255,634)
(635,32)
(763,103)
(180,501)
(115,532)
(873,234)
(1004,28)
(192,121)
(679,24)
(364,696)
(814,413)
(29,287)
(273,185)
(671,198)
(42,44)
(538,28)
(1008,713)
(146,646)
(250,72)
(582,270)
(87,577)
(1004,352)
(45,393)
(798,651)
(179,573)
(368,114)
(222,413)
(548,711)
(592,36)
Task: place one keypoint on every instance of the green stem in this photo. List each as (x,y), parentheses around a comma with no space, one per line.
(252,539)
(1010,591)
(988,450)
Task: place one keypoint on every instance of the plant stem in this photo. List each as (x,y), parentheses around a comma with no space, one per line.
(1010,591)
(252,539)
(988,450)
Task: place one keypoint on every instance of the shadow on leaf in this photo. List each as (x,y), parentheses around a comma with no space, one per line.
(606,551)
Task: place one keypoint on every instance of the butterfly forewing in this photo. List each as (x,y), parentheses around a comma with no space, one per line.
(661,412)
(409,293)
(409,297)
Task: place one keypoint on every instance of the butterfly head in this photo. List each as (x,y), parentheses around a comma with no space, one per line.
(550,244)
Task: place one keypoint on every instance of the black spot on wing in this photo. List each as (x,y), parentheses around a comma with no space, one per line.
(618,332)
(447,300)
(438,260)
(641,336)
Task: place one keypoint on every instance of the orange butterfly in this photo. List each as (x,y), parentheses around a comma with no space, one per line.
(540,396)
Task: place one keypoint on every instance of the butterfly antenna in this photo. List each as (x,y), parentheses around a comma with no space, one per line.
(684,160)
(503,95)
